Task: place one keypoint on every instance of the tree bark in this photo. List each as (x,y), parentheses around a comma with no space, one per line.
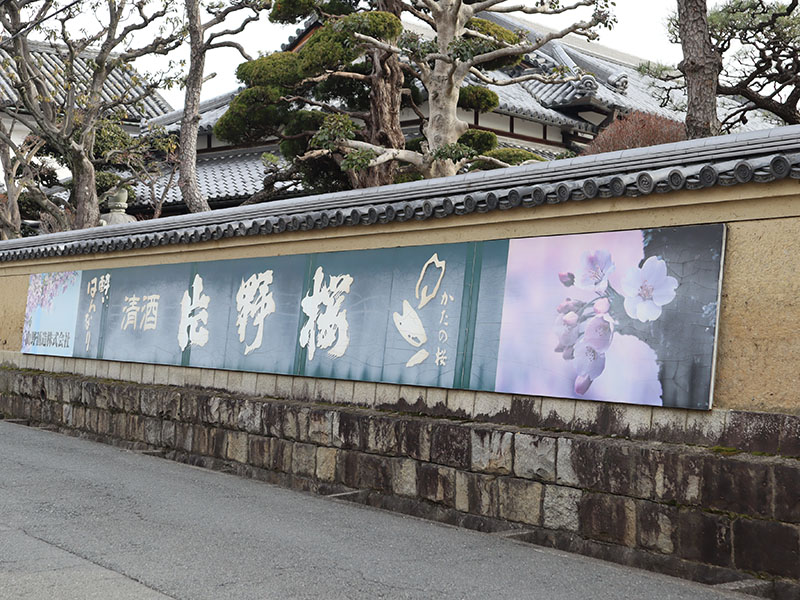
(10,218)
(84,191)
(190,124)
(700,66)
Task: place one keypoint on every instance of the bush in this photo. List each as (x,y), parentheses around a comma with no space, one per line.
(475,97)
(636,130)
(479,140)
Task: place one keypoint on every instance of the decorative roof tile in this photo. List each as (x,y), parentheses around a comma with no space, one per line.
(761,156)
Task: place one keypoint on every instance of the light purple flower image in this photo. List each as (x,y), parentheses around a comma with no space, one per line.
(596,267)
(598,333)
(648,289)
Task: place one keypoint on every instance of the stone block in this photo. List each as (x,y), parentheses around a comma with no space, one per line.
(603,464)
(237,446)
(413,395)
(364,393)
(669,424)
(128,398)
(565,471)
(104,423)
(786,478)
(79,416)
(436,483)
(183,436)
(160,375)
(324,390)
(414,438)
(152,431)
(119,426)
(753,431)
(149,401)
(386,395)
(281,459)
(148,372)
(227,412)
(326,464)
(295,422)
(200,442)
(738,484)
(137,370)
(220,380)
(557,413)
(343,392)
(608,518)
(435,401)
(248,417)
(790,437)
(349,430)
(168,434)
(218,442)
(304,459)
(535,456)
(404,477)
(382,435)
(373,472)
(450,445)
(283,387)
(320,426)
(657,527)
(347,468)
(477,494)
(520,500)
(265,385)
(259,450)
(461,403)
(272,418)
(490,405)
(176,375)
(135,428)
(303,389)
(192,376)
(207,378)
(170,403)
(492,450)
(705,428)
(767,547)
(704,537)
(560,507)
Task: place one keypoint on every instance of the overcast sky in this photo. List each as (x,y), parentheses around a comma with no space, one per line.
(640,30)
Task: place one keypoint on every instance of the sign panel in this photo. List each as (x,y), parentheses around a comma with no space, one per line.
(625,316)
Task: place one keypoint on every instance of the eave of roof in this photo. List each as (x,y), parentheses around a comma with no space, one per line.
(760,156)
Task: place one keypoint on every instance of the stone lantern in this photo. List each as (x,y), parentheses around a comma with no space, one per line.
(117,205)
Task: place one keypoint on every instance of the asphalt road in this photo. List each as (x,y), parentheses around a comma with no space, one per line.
(80,520)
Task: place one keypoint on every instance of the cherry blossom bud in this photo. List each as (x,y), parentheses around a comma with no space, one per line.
(568,279)
(582,383)
(570,319)
(602,306)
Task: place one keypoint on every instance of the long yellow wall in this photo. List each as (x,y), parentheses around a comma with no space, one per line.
(759,341)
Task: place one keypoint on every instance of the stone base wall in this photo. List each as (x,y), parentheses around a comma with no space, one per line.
(710,513)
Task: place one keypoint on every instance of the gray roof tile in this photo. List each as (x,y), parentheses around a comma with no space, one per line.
(726,160)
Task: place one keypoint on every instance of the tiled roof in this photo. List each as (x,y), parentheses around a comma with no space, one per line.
(120,82)
(210,112)
(228,175)
(760,156)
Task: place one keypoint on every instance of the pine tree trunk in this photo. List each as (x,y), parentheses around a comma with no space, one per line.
(443,127)
(701,66)
(84,192)
(187,178)
(384,123)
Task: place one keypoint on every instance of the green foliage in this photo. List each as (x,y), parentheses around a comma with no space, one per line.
(512,156)
(476,97)
(415,144)
(416,46)
(467,47)
(104,181)
(350,92)
(334,129)
(268,158)
(252,116)
(454,152)
(357,160)
(479,140)
(327,48)
(298,122)
(110,136)
(407,175)
(290,11)
(281,69)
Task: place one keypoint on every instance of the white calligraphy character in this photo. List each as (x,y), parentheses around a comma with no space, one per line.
(326,319)
(193,316)
(254,301)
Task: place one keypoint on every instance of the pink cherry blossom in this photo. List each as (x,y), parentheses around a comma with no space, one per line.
(596,267)
(648,289)
(566,278)
(570,305)
(589,364)
(598,333)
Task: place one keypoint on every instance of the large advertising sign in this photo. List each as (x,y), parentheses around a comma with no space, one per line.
(626,316)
